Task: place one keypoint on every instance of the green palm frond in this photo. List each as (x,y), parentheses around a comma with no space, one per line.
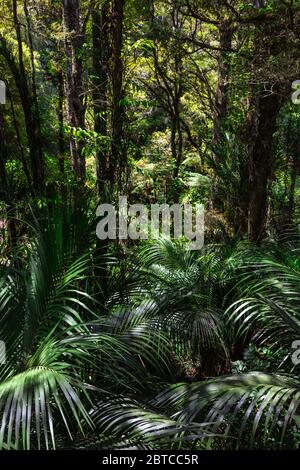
(238,405)
(42,377)
(179,283)
(268,290)
(126,421)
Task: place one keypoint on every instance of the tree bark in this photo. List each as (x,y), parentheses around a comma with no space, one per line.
(101,56)
(222,98)
(118,156)
(260,164)
(60,115)
(291,205)
(31,47)
(221,107)
(74,39)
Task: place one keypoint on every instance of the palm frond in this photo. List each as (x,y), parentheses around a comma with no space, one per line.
(238,405)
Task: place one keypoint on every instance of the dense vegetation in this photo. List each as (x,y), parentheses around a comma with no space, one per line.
(148,344)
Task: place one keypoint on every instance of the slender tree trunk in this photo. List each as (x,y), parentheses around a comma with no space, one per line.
(221,106)
(118,157)
(31,124)
(5,190)
(176,95)
(60,115)
(294,175)
(101,56)
(177,107)
(260,163)
(177,137)
(19,142)
(178,143)
(222,94)
(173,140)
(31,47)
(74,82)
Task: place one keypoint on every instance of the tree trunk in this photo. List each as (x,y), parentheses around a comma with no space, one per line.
(118,157)
(60,115)
(294,175)
(260,164)
(74,82)
(221,107)
(31,47)
(5,191)
(222,98)
(19,142)
(177,101)
(101,56)
(31,121)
